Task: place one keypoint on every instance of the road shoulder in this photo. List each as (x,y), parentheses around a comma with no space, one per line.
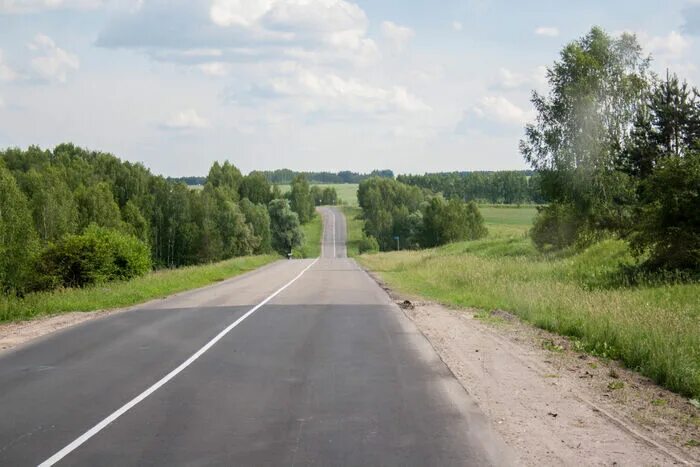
(551,404)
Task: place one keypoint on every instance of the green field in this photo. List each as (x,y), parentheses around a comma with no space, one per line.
(347,192)
(654,329)
(122,294)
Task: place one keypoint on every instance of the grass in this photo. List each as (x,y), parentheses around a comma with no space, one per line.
(653,328)
(354,229)
(311,248)
(347,192)
(122,294)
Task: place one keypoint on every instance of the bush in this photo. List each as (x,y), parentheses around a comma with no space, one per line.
(98,255)
(556,226)
(669,222)
(368,244)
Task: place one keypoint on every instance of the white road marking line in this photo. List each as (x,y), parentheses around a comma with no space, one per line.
(125,408)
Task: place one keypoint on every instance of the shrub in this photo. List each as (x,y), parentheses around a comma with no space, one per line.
(669,222)
(556,226)
(98,255)
(368,244)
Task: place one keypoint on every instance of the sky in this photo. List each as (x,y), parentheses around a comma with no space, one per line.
(413,86)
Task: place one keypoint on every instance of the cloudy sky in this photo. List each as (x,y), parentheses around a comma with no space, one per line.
(306,84)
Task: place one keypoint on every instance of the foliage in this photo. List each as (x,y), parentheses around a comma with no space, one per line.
(65,190)
(300,199)
(157,284)
(418,218)
(285,176)
(556,226)
(98,255)
(652,327)
(18,240)
(582,125)
(451,221)
(669,221)
(256,188)
(324,196)
(368,244)
(285,226)
(507,187)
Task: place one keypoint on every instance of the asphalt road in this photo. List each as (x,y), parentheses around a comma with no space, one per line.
(326,372)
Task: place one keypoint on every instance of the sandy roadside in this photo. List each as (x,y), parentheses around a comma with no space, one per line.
(552,405)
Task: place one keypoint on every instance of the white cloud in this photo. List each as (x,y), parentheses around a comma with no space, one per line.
(548,31)
(6,72)
(536,78)
(50,61)
(396,34)
(329,92)
(214,68)
(671,46)
(34,6)
(457,26)
(185,120)
(501,110)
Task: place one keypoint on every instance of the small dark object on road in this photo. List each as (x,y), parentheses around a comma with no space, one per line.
(406,305)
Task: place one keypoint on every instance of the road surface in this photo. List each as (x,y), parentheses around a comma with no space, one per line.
(302,362)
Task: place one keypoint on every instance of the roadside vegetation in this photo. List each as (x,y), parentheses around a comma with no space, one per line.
(72,218)
(653,327)
(311,245)
(354,224)
(613,259)
(117,294)
(337,193)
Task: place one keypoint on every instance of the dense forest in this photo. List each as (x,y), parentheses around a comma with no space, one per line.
(286,176)
(401,216)
(71,217)
(502,187)
(617,151)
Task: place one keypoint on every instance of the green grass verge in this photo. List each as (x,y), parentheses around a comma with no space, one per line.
(354,229)
(121,294)
(347,192)
(311,248)
(654,329)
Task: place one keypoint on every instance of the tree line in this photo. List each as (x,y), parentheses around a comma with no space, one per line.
(71,217)
(398,215)
(498,187)
(617,149)
(287,176)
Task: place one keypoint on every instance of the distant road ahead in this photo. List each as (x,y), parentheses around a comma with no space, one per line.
(326,372)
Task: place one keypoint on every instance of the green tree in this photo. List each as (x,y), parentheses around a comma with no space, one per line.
(96,205)
(256,188)
(300,199)
(17,236)
(285,226)
(52,203)
(258,218)
(668,226)
(583,123)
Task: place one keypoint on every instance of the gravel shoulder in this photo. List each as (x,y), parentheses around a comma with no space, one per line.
(551,404)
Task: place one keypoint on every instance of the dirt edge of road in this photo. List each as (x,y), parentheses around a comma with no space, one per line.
(552,404)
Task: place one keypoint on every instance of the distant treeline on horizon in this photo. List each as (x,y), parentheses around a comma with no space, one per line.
(492,186)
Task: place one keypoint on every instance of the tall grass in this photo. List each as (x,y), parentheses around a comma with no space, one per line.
(311,247)
(121,294)
(354,229)
(652,328)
